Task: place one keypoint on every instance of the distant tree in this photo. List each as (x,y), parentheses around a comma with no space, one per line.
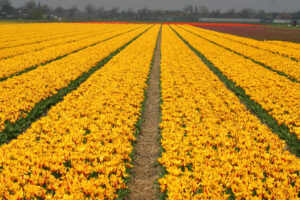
(203,11)
(246,13)
(143,13)
(90,10)
(6,8)
(73,11)
(129,13)
(123,16)
(45,9)
(113,13)
(40,11)
(100,11)
(273,15)
(261,14)
(215,13)
(188,9)
(37,13)
(59,11)
(296,15)
(114,10)
(230,13)
(196,11)
(4,3)
(30,6)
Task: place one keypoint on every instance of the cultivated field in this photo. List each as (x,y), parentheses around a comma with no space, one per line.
(281,33)
(146,111)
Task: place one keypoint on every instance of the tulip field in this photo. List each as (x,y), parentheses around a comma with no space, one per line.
(72,104)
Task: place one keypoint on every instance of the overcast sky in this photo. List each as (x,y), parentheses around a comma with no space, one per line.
(268,5)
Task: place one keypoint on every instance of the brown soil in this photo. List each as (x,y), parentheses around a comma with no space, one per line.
(259,32)
(146,170)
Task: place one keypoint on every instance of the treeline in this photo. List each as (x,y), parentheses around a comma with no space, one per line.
(36,11)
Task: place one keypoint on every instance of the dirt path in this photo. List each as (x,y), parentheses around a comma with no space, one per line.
(145,171)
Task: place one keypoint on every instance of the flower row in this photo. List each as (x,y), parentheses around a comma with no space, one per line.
(285,44)
(13,35)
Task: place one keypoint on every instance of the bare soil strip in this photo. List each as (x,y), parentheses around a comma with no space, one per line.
(145,170)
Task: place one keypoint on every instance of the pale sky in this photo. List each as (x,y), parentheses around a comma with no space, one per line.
(268,5)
